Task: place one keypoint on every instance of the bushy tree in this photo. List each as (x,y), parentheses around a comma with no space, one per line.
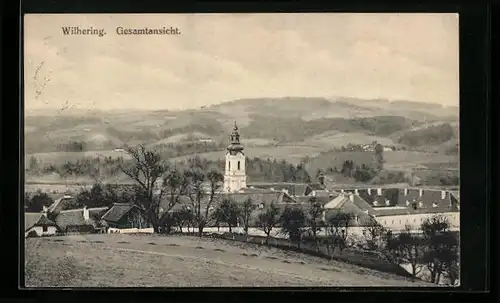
(378,157)
(228,212)
(267,220)
(293,222)
(38,201)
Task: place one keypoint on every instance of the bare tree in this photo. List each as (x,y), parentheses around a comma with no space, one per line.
(198,195)
(374,233)
(314,212)
(267,220)
(147,169)
(245,214)
(338,226)
(409,250)
(441,246)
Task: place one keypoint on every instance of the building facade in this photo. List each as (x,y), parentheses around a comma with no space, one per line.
(235,177)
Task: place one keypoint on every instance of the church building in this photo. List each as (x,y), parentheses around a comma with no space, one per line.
(235,177)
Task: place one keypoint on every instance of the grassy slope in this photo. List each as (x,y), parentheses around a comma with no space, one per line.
(155,261)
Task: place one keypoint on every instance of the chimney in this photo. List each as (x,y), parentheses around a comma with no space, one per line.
(85,213)
(369,191)
(351,197)
(44,211)
(443,195)
(356,192)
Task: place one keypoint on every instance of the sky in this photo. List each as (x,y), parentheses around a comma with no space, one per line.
(223,57)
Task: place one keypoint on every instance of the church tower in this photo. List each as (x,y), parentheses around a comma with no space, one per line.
(235,176)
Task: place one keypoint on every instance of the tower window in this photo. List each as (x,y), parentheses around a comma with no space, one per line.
(238,165)
(229,165)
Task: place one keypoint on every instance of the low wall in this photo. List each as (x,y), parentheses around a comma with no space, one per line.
(130,230)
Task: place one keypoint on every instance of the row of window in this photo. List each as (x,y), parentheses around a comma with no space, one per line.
(406,222)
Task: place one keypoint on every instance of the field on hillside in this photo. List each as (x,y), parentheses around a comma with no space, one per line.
(394,160)
(292,154)
(118,260)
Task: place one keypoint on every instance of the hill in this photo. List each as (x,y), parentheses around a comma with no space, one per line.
(291,129)
(141,261)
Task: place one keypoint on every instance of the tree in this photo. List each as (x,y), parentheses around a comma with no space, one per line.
(198,195)
(33,165)
(229,212)
(315,211)
(338,225)
(267,220)
(441,246)
(147,169)
(379,157)
(245,213)
(408,249)
(320,177)
(373,234)
(38,201)
(95,197)
(293,224)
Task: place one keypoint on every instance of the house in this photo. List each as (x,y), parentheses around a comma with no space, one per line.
(38,224)
(85,220)
(125,215)
(350,203)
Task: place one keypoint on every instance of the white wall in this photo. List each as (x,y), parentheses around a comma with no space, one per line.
(235,179)
(51,230)
(415,220)
(112,230)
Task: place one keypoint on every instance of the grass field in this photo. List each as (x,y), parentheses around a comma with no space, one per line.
(119,260)
(394,160)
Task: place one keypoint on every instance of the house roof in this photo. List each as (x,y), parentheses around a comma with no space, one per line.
(356,207)
(397,211)
(456,194)
(336,203)
(30,219)
(98,211)
(72,217)
(117,211)
(295,189)
(44,221)
(59,203)
(321,199)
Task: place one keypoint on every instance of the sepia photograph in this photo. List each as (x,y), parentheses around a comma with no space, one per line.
(241,150)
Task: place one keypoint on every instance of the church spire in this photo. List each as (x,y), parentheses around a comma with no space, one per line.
(235,135)
(235,144)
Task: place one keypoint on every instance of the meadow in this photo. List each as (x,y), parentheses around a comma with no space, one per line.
(118,260)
